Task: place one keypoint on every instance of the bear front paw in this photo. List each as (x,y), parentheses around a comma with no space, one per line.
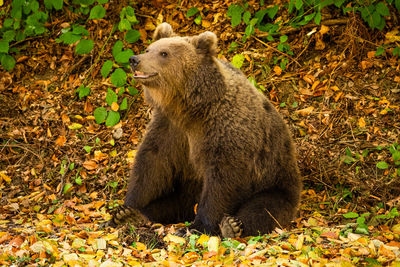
(124,214)
(230,227)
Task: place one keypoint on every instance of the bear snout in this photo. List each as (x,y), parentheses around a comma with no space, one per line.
(134,60)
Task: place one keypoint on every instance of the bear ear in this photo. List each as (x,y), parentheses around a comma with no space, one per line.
(206,43)
(164,30)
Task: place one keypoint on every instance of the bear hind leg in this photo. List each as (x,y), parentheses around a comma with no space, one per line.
(260,215)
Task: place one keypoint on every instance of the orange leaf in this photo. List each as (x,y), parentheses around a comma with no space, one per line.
(332,235)
(361,122)
(371,54)
(315,84)
(90,165)
(65,119)
(393,244)
(99,156)
(114,106)
(324,29)
(386,252)
(190,257)
(277,70)
(61,140)
(205,23)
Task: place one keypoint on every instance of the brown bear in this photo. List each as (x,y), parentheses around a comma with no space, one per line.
(213,139)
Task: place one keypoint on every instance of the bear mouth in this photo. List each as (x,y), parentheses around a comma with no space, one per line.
(143,75)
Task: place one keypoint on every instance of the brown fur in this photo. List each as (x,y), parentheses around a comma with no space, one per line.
(213,140)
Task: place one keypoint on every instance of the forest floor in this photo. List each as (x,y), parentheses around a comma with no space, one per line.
(61,172)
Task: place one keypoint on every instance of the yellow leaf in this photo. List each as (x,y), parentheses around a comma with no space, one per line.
(75,126)
(202,240)
(213,244)
(361,122)
(4,177)
(174,239)
(1,2)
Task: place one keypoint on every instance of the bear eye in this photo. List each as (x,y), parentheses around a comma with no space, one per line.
(164,54)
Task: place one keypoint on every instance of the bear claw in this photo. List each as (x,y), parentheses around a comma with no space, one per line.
(123,214)
(231,227)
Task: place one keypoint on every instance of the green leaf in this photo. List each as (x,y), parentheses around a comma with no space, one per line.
(78,180)
(84,46)
(112,118)
(102,1)
(111,97)
(362,229)
(118,77)
(350,215)
(396,155)
(8,62)
(48,4)
(130,15)
(246,17)
(57,4)
(105,70)
(197,20)
(237,60)
(4,46)
(67,186)
(382,9)
(283,38)
(272,11)
(9,35)
(117,48)
(379,51)
(69,38)
(97,12)
(132,90)
(132,36)
(375,20)
(249,30)
(8,23)
(124,25)
(87,149)
(123,57)
(317,18)
(124,104)
(100,115)
(235,12)
(382,165)
(397,4)
(80,30)
(83,91)
(396,51)
(298,4)
(339,3)
(192,11)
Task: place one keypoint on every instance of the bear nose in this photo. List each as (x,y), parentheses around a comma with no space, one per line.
(134,60)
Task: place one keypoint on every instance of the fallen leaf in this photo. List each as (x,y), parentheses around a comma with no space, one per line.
(90,165)
(361,122)
(277,70)
(305,111)
(61,140)
(114,106)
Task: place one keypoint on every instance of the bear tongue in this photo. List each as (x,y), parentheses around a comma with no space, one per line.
(140,74)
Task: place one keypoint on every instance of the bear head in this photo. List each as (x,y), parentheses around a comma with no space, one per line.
(170,59)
